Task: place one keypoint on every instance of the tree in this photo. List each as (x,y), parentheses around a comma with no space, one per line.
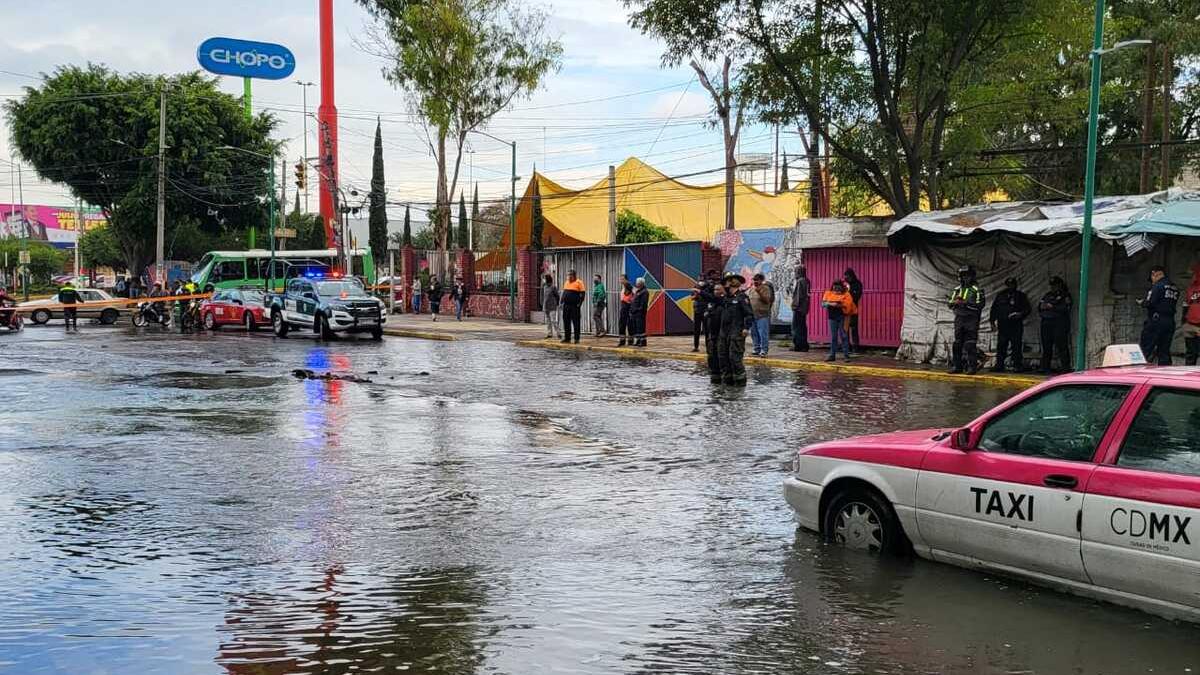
(310,231)
(96,131)
(491,226)
(377,218)
(98,247)
(694,33)
(634,229)
(537,226)
(783,181)
(407,240)
(44,260)
(463,242)
(460,62)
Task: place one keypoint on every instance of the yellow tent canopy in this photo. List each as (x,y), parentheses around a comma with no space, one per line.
(580,217)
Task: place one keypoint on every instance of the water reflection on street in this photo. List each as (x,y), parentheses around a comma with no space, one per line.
(188,505)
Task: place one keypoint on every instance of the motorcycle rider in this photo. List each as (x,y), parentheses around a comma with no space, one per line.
(160,308)
(8,315)
(967,303)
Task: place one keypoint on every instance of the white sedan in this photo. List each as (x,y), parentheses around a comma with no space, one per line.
(42,311)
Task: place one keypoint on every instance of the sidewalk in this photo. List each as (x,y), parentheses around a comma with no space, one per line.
(679,347)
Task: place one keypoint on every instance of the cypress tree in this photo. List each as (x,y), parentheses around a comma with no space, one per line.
(783,177)
(474,218)
(462,223)
(377,219)
(407,241)
(539,223)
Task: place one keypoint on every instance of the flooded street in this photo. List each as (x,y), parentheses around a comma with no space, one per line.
(184,504)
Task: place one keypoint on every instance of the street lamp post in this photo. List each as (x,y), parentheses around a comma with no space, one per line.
(512,229)
(1089,181)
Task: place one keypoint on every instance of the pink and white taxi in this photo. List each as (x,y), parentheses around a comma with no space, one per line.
(1089,483)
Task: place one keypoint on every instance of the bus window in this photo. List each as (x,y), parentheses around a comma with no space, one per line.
(228,270)
(255,268)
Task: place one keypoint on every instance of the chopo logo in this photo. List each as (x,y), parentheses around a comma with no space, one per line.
(248,59)
(1155,526)
(245,58)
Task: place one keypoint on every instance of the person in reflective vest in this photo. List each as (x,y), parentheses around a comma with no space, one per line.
(967,304)
(67,295)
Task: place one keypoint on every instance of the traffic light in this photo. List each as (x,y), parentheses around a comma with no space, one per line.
(300,171)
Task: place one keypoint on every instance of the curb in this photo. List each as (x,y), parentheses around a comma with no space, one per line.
(419,335)
(814,366)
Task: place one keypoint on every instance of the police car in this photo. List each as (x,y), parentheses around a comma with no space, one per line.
(1089,482)
(327,306)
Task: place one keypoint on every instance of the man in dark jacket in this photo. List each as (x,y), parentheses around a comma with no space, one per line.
(855,287)
(637,312)
(67,295)
(1055,311)
(801,296)
(712,330)
(701,297)
(1159,329)
(1007,317)
(624,325)
(573,294)
(736,319)
(967,303)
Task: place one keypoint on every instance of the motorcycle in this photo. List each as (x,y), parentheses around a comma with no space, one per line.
(10,318)
(146,313)
(189,319)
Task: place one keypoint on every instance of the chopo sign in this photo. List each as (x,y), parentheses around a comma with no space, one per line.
(245,58)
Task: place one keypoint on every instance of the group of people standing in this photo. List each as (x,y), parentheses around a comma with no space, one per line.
(841,304)
(568,303)
(1012,307)
(427,287)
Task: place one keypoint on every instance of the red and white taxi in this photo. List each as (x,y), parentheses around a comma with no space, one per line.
(1089,482)
(234,306)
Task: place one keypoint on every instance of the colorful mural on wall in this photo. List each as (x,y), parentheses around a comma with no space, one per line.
(670,271)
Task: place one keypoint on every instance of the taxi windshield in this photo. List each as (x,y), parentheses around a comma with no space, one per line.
(340,288)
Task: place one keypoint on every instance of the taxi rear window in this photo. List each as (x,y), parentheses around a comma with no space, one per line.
(1165,434)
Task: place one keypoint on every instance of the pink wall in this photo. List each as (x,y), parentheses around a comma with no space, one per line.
(882,305)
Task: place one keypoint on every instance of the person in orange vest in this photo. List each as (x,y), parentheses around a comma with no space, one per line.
(572,301)
(839,306)
(623,326)
(1191,318)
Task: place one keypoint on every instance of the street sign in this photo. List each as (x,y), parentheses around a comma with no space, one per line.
(285,233)
(393,245)
(23,257)
(245,58)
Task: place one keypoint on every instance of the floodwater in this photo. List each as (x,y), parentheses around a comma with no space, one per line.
(184,504)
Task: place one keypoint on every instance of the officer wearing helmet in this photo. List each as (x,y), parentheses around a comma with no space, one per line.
(967,304)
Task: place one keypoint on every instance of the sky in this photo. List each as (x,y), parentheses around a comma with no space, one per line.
(610,100)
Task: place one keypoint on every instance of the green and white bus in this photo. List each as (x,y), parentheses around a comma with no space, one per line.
(237,269)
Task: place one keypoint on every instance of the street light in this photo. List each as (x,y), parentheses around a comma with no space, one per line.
(1089,181)
(270,281)
(512,228)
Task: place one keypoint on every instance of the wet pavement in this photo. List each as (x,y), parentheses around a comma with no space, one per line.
(186,504)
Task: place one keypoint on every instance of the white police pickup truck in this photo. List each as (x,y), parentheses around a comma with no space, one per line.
(326,306)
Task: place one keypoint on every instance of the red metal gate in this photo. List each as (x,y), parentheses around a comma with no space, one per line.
(881,310)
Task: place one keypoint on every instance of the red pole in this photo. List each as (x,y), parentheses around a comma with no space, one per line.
(327,124)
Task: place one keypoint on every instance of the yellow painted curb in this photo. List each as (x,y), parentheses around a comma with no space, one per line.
(419,334)
(816,366)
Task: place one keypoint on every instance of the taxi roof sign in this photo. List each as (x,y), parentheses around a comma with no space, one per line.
(1123,355)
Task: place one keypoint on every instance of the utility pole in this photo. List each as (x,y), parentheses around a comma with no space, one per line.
(78,232)
(161,223)
(283,201)
(512,240)
(1144,182)
(776,160)
(1168,77)
(612,204)
(24,236)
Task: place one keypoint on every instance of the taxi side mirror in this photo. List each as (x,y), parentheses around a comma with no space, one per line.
(961,439)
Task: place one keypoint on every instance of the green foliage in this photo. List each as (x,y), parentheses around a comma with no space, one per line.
(44,260)
(491,225)
(783,177)
(538,224)
(96,131)
(474,217)
(634,229)
(98,247)
(377,218)
(463,241)
(408,240)
(310,231)
(460,62)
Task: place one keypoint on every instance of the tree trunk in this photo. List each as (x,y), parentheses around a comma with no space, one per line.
(441,211)
(813,153)
(730,174)
(1144,182)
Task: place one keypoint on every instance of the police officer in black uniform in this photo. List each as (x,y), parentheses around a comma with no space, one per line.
(1007,317)
(1055,311)
(1159,329)
(736,319)
(714,299)
(967,303)
(701,297)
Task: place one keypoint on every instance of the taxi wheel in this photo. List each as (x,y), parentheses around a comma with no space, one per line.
(861,519)
(210,321)
(41,316)
(249,323)
(109,316)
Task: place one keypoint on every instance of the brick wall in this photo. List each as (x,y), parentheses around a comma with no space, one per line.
(489,305)
(711,258)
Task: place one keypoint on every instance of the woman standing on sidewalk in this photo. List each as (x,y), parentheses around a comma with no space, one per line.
(637,312)
(550,300)
(838,307)
(623,328)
